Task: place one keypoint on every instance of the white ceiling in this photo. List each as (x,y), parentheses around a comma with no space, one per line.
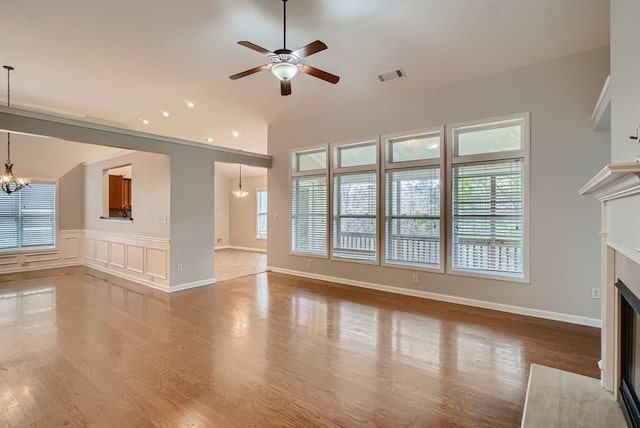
(121,61)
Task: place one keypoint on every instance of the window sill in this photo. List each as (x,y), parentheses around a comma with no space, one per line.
(490,276)
(260,239)
(413,267)
(117,219)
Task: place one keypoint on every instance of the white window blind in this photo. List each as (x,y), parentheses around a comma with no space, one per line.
(354,216)
(309,215)
(28,217)
(261,204)
(488,217)
(412,208)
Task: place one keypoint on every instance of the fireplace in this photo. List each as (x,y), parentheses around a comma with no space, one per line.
(629,354)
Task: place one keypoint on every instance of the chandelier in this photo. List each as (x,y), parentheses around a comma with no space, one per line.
(9,183)
(240,193)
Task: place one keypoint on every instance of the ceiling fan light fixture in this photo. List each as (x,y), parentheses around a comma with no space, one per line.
(284,71)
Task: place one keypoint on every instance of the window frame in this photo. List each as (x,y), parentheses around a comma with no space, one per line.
(334,171)
(453,159)
(388,166)
(43,248)
(295,173)
(258,214)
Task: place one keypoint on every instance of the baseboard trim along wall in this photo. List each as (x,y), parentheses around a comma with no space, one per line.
(189,285)
(520,310)
(233,247)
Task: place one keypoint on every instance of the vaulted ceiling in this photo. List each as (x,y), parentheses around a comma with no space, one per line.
(122,61)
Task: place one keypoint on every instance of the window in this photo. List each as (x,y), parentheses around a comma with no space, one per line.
(488,182)
(355,202)
(261,204)
(309,202)
(28,217)
(412,230)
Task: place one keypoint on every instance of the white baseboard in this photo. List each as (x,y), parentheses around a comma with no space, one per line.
(255,250)
(222,247)
(131,278)
(189,285)
(520,310)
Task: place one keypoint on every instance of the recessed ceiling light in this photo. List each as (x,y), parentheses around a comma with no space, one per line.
(236,134)
(144,121)
(189,104)
(210,140)
(165,113)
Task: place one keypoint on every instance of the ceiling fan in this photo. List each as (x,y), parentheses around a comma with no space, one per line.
(285,63)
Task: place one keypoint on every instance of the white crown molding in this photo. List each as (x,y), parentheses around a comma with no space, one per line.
(519,310)
(616,180)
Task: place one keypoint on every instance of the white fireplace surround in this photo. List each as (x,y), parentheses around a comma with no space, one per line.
(620,256)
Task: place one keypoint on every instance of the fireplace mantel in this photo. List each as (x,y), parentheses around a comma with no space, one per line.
(616,180)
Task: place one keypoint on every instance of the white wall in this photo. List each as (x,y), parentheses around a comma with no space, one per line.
(565,153)
(243,214)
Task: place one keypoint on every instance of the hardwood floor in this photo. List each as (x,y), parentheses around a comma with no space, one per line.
(231,263)
(81,348)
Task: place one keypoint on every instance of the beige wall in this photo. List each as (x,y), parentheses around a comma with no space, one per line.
(243,214)
(221,211)
(565,153)
(71,199)
(192,214)
(150,195)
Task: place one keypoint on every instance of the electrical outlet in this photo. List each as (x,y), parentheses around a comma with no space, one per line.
(414,278)
(595,293)
(179,267)
(309,263)
(219,240)
(276,218)
(164,219)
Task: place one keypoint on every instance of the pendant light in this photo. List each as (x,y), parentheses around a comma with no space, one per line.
(240,193)
(9,183)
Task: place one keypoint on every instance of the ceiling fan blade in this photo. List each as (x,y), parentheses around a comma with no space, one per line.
(320,74)
(285,87)
(310,49)
(254,47)
(249,72)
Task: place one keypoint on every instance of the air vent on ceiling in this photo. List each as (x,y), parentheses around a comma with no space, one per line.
(390,75)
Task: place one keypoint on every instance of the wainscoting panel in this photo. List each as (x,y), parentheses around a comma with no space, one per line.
(102,250)
(135,258)
(67,253)
(117,256)
(89,249)
(9,260)
(157,262)
(71,247)
(48,256)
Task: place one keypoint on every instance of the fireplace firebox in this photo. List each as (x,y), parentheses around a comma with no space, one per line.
(629,354)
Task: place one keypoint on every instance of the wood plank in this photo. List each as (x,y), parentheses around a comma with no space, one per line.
(80,347)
